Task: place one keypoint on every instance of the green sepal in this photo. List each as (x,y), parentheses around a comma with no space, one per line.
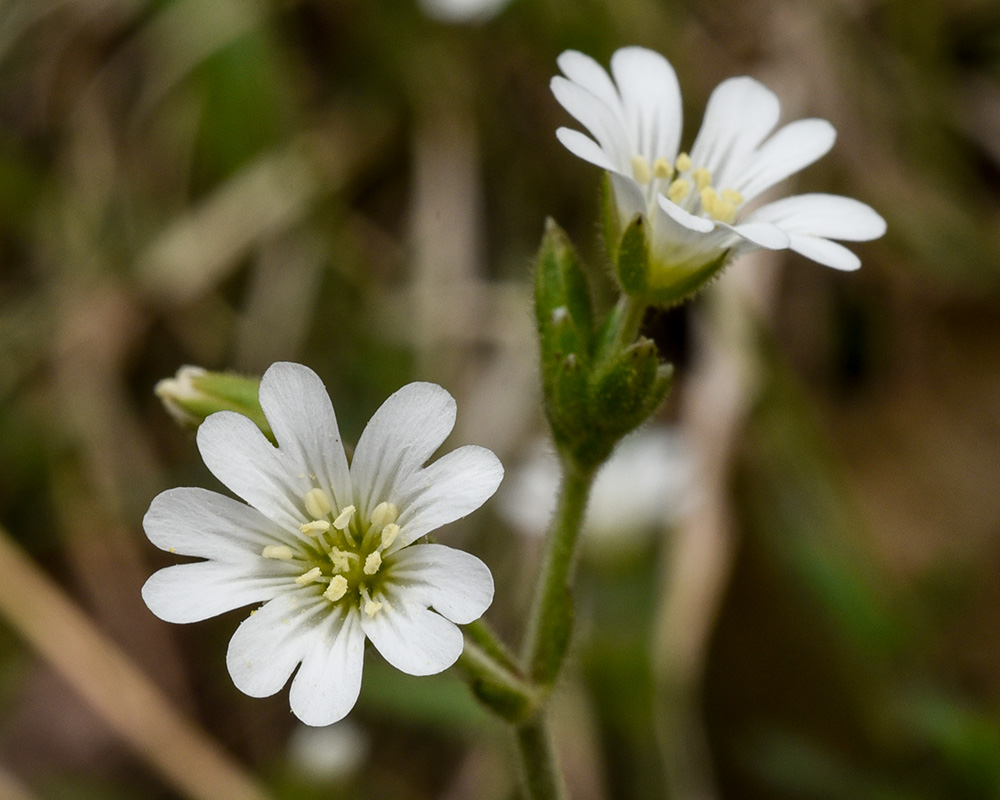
(194,394)
(686,284)
(632,261)
(626,390)
(565,317)
(610,225)
(566,400)
(560,282)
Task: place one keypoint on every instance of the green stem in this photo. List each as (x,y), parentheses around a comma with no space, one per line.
(540,774)
(552,611)
(482,635)
(500,687)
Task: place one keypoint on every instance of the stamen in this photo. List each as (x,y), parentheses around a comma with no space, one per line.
(315,528)
(678,190)
(279,552)
(702,177)
(341,559)
(372,607)
(373,562)
(709,199)
(724,211)
(318,503)
(662,169)
(336,589)
(389,534)
(309,577)
(683,162)
(640,168)
(344,518)
(732,196)
(384,512)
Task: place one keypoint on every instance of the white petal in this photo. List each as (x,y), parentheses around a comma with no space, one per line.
(825,215)
(270,643)
(791,149)
(584,147)
(301,416)
(825,252)
(739,114)
(197,522)
(412,638)
(761,234)
(652,100)
(605,124)
(193,592)
(685,218)
(453,486)
(455,584)
(240,456)
(327,685)
(399,438)
(585,71)
(628,198)
(683,240)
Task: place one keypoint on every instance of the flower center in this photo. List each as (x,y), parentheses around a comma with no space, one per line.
(342,550)
(688,186)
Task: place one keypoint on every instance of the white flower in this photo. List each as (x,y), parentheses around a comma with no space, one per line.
(328,548)
(645,485)
(462,10)
(697,203)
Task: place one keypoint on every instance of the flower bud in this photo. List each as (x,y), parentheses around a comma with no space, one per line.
(195,393)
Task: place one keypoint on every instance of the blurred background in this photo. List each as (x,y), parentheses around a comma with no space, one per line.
(360,185)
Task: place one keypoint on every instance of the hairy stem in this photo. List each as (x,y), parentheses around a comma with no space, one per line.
(551,615)
(539,770)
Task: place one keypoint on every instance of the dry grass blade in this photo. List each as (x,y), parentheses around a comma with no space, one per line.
(114,687)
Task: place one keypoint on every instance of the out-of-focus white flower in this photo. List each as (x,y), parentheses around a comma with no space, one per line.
(644,486)
(462,10)
(697,203)
(328,548)
(330,753)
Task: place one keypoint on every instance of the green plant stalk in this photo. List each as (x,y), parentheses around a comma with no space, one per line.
(540,773)
(482,635)
(551,614)
(500,687)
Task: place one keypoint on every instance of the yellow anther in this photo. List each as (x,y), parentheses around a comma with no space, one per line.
(336,589)
(315,528)
(344,518)
(372,607)
(389,534)
(340,559)
(702,177)
(384,513)
(683,162)
(641,170)
(724,211)
(732,196)
(318,503)
(279,552)
(311,576)
(709,198)
(678,190)
(662,169)
(373,562)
